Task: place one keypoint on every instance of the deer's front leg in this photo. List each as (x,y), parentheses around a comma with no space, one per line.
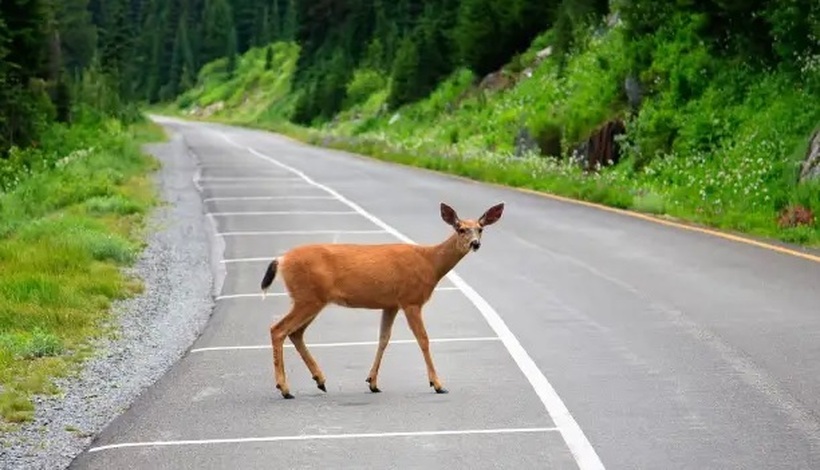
(388,315)
(416,323)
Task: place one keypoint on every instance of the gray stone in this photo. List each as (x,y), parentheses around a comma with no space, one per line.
(810,169)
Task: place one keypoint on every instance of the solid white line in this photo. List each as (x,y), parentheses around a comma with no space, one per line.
(576,440)
(268,198)
(321,437)
(300,232)
(232,214)
(348,344)
(280,294)
(241,179)
(242,296)
(247,260)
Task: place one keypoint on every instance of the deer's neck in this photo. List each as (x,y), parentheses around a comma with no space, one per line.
(445,256)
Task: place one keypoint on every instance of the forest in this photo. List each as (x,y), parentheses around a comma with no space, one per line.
(701,110)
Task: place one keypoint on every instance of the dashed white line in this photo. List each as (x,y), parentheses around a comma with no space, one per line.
(348,344)
(573,435)
(318,437)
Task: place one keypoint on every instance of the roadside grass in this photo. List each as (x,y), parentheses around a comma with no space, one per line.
(722,154)
(65,233)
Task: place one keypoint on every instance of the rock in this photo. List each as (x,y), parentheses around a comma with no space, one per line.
(525,143)
(634,94)
(496,81)
(544,53)
(601,148)
(613,20)
(810,169)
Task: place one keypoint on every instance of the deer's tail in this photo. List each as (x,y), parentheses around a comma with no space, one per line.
(270,274)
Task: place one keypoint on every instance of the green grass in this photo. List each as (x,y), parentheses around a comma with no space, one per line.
(715,142)
(65,233)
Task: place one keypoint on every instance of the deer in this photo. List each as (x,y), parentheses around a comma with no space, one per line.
(387,277)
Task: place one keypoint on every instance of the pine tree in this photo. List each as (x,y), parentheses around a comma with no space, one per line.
(217,29)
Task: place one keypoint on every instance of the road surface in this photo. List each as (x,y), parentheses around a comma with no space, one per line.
(575,338)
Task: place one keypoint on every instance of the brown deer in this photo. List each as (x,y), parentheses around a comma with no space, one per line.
(385,277)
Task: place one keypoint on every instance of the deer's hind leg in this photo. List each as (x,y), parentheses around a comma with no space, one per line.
(300,314)
(298,340)
(388,315)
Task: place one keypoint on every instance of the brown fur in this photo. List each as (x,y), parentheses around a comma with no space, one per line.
(387,277)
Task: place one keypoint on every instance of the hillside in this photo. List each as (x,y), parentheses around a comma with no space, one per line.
(711,136)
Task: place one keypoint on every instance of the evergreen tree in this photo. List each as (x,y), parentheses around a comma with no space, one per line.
(217,29)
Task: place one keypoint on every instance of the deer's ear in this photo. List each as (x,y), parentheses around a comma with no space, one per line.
(448,214)
(492,215)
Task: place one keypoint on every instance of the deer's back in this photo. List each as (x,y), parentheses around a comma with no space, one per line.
(359,276)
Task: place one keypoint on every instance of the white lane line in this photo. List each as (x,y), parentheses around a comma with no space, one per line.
(280,294)
(232,214)
(239,179)
(249,260)
(323,437)
(268,198)
(299,232)
(573,435)
(348,344)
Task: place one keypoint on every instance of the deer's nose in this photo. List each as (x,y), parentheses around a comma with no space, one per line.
(475,245)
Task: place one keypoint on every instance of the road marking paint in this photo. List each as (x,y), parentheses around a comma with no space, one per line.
(268,198)
(239,179)
(323,437)
(573,436)
(248,260)
(299,232)
(232,214)
(280,294)
(349,344)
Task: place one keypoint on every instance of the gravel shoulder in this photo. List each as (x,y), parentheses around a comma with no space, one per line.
(153,329)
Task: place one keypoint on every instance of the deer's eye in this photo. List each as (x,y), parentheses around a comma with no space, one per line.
(462,230)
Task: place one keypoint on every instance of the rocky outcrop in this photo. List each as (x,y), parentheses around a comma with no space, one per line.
(601,148)
(810,169)
(525,143)
(496,81)
(634,93)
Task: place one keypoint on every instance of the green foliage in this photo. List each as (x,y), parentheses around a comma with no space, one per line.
(724,93)
(255,91)
(67,225)
(488,33)
(363,84)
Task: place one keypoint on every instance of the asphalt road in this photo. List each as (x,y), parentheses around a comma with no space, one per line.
(575,338)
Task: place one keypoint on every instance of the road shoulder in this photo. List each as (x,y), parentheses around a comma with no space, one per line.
(152,330)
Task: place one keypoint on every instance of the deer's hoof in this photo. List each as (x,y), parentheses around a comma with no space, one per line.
(287,396)
(321,385)
(442,390)
(372,387)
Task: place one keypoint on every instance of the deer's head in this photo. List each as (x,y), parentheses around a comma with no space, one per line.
(469,231)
